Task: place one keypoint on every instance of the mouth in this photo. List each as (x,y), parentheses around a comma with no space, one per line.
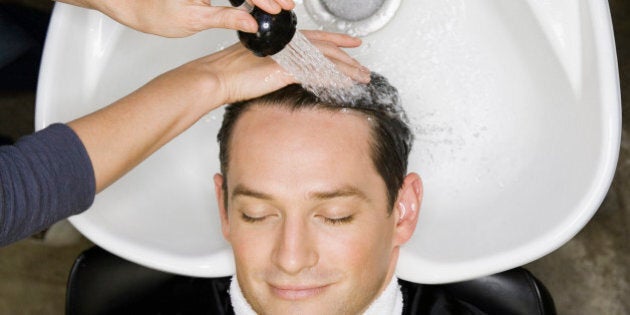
(297,292)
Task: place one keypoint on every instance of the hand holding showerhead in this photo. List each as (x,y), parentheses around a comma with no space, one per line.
(275,31)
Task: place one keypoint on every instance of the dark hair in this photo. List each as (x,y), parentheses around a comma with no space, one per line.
(391,136)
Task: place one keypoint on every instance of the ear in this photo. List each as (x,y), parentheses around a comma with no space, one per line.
(407,208)
(218,190)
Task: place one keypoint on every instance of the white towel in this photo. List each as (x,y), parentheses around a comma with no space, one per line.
(389,302)
(240,305)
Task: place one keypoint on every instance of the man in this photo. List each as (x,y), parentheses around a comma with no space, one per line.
(315,201)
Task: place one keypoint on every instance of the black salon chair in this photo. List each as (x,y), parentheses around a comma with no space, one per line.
(102,283)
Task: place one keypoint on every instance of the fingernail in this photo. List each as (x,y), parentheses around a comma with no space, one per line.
(364,75)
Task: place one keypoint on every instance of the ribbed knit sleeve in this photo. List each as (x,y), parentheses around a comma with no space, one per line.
(44,177)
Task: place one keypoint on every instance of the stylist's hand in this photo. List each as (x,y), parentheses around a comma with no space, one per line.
(180,18)
(235,74)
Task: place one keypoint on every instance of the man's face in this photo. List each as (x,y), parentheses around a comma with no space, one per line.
(307,213)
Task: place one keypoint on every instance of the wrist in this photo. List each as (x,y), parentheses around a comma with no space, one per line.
(201,86)
(212,93)
(79,3)
(119,11)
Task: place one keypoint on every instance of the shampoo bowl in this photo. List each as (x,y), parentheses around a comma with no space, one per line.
(515,105)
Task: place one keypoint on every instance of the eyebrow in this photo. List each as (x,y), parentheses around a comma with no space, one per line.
(346,191)
(244,191)
(342,192)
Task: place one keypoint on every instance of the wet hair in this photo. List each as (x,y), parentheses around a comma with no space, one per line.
(391,137)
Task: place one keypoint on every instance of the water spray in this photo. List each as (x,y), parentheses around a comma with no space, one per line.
(277,37)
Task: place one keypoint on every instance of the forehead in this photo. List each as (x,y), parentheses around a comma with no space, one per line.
(310,148)
(260,122)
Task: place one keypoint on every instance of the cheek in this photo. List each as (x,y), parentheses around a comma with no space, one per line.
(251,249)
(365,249)
(244,246)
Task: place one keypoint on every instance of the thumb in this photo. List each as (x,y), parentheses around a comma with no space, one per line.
(231,18)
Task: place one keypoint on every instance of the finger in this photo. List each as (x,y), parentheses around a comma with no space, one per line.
(269,6)
(286,4)
(332,51)
(339,39)
(280,77)
(360,74)
(226,17)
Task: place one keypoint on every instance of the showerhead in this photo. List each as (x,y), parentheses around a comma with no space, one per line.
(275,31)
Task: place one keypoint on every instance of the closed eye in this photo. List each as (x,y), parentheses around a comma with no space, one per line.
(249,219)
(338,221)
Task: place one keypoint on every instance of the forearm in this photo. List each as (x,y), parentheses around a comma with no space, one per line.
(123,11)
(80,3)
(179,18)
(120,136)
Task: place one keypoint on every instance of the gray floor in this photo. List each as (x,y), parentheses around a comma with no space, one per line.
(588,275)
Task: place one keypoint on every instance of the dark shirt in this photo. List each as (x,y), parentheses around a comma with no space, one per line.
(44,177)
(102,283)
(211,296)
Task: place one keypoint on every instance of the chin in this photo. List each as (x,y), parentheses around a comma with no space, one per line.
(325,301)
(302,307)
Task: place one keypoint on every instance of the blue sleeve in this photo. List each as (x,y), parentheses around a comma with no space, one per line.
(44,177)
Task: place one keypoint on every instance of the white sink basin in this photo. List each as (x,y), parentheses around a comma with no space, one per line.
(515,104)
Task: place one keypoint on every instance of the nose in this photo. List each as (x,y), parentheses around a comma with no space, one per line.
(295,249)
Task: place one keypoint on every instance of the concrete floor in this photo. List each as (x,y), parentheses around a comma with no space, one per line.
(588,275)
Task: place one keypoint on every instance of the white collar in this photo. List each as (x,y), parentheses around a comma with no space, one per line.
(389,302)
(239,304)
